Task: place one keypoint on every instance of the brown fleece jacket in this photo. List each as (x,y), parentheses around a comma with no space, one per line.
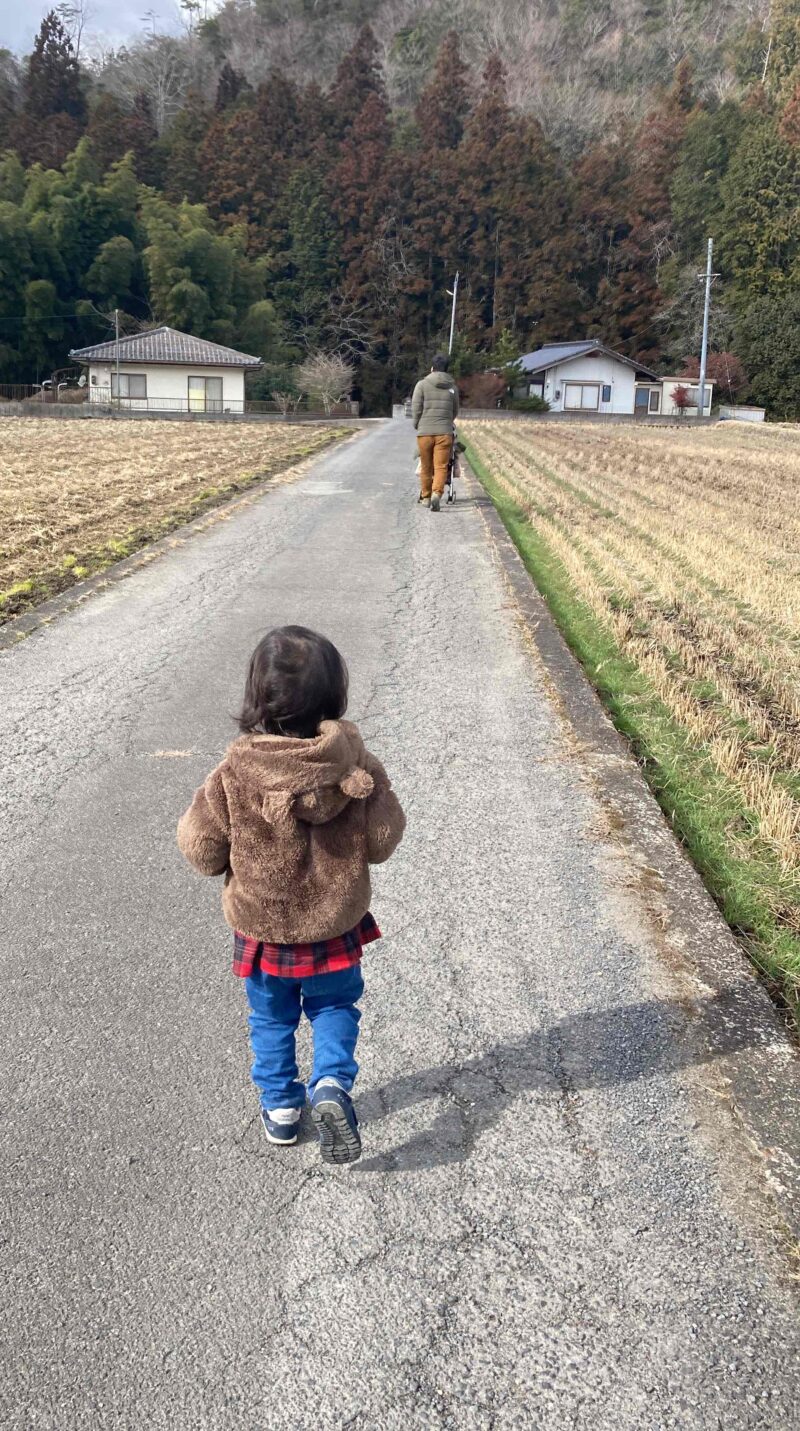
(294,826)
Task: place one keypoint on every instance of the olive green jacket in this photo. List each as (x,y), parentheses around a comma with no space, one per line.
(434,406)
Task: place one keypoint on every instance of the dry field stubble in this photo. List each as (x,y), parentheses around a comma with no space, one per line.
(685,549)
(77,496)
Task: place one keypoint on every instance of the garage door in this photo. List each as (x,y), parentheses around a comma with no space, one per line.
(582,396)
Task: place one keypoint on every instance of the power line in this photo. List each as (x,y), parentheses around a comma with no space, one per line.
(48,317)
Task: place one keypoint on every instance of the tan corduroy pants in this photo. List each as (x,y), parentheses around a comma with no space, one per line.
(434,456)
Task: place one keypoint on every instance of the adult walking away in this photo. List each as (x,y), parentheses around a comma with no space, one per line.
(434,409)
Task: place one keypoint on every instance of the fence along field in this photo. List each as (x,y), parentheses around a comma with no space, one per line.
(672,561)
(75,497)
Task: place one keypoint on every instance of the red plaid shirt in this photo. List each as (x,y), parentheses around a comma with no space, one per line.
(300,961)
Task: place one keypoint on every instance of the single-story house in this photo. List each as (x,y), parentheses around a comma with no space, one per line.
(584,377)
(162,369)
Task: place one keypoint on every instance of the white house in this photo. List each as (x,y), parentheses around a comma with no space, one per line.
(587,377)
(163,370)
(584,377)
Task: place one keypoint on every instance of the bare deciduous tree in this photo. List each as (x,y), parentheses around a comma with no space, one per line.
(158,67)
(75,16)
(286,402)
(326,376)
(347,326)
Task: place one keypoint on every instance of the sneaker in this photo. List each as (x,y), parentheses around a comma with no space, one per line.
(335,1117)
(281,1124)
(423,498)
(436,502)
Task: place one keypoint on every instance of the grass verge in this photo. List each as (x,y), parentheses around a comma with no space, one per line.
(706,810)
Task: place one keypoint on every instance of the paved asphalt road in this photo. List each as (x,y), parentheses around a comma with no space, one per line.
(553,1224)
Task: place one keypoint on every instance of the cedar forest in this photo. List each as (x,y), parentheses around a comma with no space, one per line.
(288,207)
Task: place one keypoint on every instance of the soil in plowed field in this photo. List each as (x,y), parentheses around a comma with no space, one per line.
(76,496)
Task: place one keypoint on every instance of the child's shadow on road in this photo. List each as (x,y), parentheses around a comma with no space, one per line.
(599,1049)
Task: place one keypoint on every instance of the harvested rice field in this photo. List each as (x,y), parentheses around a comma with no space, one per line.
(671,561)
(76,496)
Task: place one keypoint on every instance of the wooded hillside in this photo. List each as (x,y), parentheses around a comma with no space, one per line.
(284,180)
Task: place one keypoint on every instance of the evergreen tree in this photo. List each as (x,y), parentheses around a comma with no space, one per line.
(789,126)
(12,178)
(9,92)
(516,246)
(259,332)
(360,187)
(759,246)
(15,257)
(44,333)
(104,131)
(768,342)
(249,157)
(358,79)
(783,67)
(141,140)
(705,155)
(53,105)
(443,106)
(183,174)
(112,276)
(114,132)
(639,227)
(308,270)
(197,279)
(231,87)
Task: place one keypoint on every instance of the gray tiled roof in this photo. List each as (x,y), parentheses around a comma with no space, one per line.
(553,353)
(166,345)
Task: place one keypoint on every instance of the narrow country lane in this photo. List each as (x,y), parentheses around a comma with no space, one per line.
(555,1222)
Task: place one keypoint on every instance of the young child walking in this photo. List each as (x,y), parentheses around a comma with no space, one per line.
(293,817)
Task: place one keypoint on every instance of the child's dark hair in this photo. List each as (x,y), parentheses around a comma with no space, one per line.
(296,679)
(439,364)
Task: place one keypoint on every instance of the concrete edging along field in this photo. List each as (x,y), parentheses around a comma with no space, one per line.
(736,1023)
(95,412)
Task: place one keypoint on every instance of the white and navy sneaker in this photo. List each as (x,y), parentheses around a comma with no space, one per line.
(281,1124)
(336,1122)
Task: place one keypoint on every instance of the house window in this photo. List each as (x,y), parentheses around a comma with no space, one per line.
(128,385)
(606,392)
(581,397)
(205,394)
(654,402)
(694,396)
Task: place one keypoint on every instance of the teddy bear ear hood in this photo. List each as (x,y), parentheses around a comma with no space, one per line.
(311,780)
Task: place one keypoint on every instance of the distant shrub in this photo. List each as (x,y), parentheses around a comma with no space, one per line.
(528,404)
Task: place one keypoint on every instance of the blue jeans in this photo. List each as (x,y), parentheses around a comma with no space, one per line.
(329,1003)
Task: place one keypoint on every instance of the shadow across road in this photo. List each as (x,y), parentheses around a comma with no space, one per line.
(602,1048)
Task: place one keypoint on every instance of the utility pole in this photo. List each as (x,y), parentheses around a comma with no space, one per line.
(496,270)
(116,333)
(453,314)
(701,393)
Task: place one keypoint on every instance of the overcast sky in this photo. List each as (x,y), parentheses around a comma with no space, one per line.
(115,20)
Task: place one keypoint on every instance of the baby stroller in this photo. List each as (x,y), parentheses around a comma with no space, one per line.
(453,467)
